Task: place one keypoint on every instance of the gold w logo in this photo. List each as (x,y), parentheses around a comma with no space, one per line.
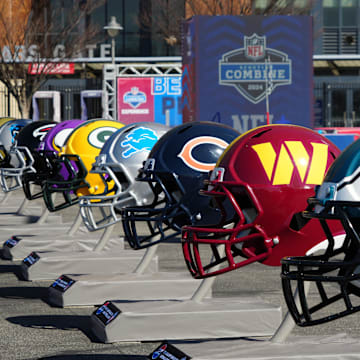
(279,167)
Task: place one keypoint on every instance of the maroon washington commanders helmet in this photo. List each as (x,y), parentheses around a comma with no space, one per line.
(266,176)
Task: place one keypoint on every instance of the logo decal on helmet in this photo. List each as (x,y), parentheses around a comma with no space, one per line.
(14,130)
(279,168)
(98,137)
(140,139)
(60,137)
(186,152)
(40,132)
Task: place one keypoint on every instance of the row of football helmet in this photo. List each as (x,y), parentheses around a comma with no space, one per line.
(234,199)
(257,205)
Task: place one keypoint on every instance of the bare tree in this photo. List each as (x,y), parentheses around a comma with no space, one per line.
(165,16)
(33,33)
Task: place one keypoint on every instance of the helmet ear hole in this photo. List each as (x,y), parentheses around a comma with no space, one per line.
(123,180)
(246,205)
(298,221)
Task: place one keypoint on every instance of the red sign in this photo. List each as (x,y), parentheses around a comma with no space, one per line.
(51,68)
(135,100)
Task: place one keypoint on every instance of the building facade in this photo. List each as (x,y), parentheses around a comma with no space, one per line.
(336,62)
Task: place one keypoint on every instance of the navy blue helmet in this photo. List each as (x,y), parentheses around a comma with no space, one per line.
(176,169)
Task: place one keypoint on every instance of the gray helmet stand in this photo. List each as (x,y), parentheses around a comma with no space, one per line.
(16,209)
(189,318)
(281,345)
(135,284)
(69,252)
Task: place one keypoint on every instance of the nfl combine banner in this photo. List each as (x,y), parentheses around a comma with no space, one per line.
(238,68)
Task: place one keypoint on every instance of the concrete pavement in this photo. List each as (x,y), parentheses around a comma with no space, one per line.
(32,329)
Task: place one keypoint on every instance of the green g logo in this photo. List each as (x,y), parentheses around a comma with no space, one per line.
(98,137)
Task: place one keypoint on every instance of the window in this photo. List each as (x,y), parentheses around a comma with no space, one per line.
(131,16)
(261,4)
(340,33)
(301,4)
(331,13)
(348,12)
(281,4)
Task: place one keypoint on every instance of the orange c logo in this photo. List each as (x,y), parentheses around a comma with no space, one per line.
(186,153)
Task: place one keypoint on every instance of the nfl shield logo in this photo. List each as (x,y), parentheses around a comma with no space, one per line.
(255,46)
(255,70)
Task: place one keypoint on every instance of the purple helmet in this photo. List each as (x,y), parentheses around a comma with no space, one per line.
(48,150)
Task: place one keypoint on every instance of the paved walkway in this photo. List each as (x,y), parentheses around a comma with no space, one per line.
(32,329)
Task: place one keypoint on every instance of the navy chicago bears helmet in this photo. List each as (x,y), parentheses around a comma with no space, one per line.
(175,170)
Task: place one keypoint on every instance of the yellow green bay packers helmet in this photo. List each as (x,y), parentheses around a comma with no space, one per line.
(78,154)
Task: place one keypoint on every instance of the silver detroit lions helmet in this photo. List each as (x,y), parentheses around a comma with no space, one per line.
(118,163)
(9,158)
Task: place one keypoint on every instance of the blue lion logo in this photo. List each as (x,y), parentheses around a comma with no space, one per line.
(140,139)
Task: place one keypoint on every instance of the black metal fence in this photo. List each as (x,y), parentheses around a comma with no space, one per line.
(70,93)
(336,104)
(70,104)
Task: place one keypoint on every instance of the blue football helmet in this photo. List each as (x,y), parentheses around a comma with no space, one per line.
(175,170)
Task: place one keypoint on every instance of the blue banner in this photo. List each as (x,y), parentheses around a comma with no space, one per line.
(235,68)
(167,99)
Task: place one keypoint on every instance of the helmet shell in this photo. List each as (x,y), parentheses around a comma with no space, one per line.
(56,137)
(281,165)
(33,133)
(86,141)
(9,131)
